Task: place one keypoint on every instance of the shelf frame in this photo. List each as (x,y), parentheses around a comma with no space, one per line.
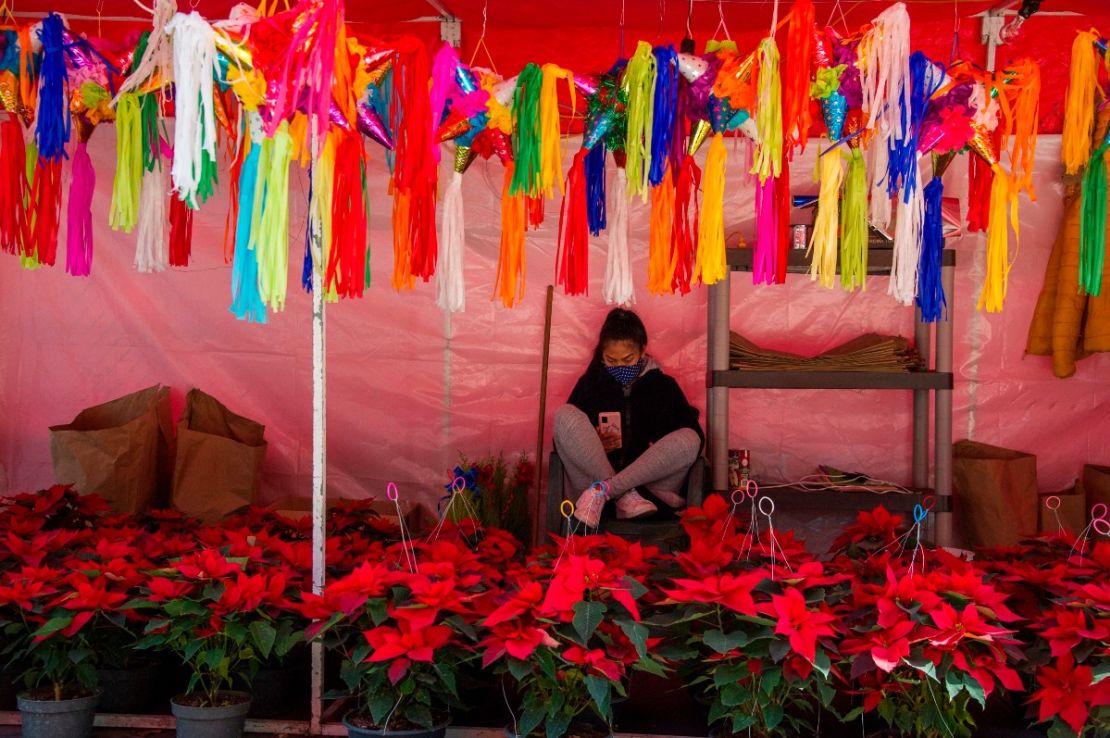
(933,343)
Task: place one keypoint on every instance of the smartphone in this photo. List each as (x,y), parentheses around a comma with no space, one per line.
(610,424)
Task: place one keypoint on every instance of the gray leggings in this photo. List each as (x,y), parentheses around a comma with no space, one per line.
(662,467)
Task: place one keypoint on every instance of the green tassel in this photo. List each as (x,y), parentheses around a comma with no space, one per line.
(129,164)
(853,225)
(526,132)
(208,179)
(639,80)
(1092,224)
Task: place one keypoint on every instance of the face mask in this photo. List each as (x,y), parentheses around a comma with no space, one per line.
(625,374)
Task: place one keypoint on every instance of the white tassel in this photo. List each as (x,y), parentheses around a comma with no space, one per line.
(151,243)
(885,71)
(194,64)
(878,211)
(159,51)
(907,246)
(450,285)
(618,272)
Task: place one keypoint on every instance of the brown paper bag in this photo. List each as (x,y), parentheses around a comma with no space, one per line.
(1095,487)
(113,449)
(996,494)
(1071,513)
(219,459)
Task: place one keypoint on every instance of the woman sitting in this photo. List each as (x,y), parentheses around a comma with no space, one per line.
(626,424)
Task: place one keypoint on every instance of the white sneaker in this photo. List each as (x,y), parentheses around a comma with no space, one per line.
(632,505)
(589,506)
(670,499)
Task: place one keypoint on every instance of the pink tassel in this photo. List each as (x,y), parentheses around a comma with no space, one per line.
(766,254)
(79,239)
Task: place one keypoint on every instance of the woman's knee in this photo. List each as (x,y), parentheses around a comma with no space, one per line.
(689,444)
(567,417)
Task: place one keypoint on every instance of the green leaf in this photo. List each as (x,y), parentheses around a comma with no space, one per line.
(420,715)
(557,726)
(264,636)
(728,674)
(637,633)
(778,650)
(351,674)
(530,720)
(821,663)
(717,710)
(1059,729)
(53,625)
(602,691)
(722,643)
(741,722)
(361,652)
(519,669)
(213,657)
(635,588)
(380,705)
(734,695)
(78,655)
(191,649)
(377,609)
(772,716)
(925,666)
(587,616)
(975,690)
(1100,672)
(650,666)
(954,684)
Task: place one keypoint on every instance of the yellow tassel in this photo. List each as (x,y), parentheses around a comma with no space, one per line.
(768,117)
(993,294)
(823,244)
(511,263)
(323,180)
(127,185)
(1079,108)
(661,259)
(710,264)
(551,156)
(639,81)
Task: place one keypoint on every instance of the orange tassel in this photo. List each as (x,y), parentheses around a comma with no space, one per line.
(662,257)
(796,75)
(511,262)
(402,246)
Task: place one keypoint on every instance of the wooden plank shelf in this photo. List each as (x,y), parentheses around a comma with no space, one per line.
(879,260)
(785,379)
(800,499)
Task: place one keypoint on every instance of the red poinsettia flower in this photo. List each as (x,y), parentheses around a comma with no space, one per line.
(733,591)
(25,591)
(953,627)
(578,574)
(90,594)
(799,624)
(595,661)
(206,564)
(163,588)
(524,600)
(1066,691)
(405,642)
(1065,634)
(515,639)
(878,525)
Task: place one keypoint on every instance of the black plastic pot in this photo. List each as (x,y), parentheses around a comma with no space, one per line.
(57,718)
(353,731)
(211,722)
(126,691)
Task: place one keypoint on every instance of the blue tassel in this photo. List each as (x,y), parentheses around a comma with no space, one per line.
(902,166)
(52,123)
(594,165)
(663,112)
(930,291)
(246,300)
(306,268)
(379,98)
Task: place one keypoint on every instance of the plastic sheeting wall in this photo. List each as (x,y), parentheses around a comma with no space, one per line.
(409,388)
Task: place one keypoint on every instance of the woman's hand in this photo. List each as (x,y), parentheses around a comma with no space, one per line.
(610,439)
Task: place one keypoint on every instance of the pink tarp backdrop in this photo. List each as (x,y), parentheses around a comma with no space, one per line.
(409,388)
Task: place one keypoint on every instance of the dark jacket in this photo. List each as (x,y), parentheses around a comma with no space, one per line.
(651,407)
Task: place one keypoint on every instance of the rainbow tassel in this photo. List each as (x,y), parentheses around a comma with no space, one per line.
(246,300)
(1092,224)
(710,266)
(853,226)
(639,80)
(823,244)
(79,228)
(930,289)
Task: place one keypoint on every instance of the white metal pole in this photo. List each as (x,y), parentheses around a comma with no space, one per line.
(319,436)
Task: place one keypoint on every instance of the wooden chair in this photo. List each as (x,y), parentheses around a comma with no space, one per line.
(665,533)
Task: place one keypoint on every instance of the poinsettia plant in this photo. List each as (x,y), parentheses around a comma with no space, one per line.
(220,617)
(403,634)
(568,632)
(926,640)
(753,617)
